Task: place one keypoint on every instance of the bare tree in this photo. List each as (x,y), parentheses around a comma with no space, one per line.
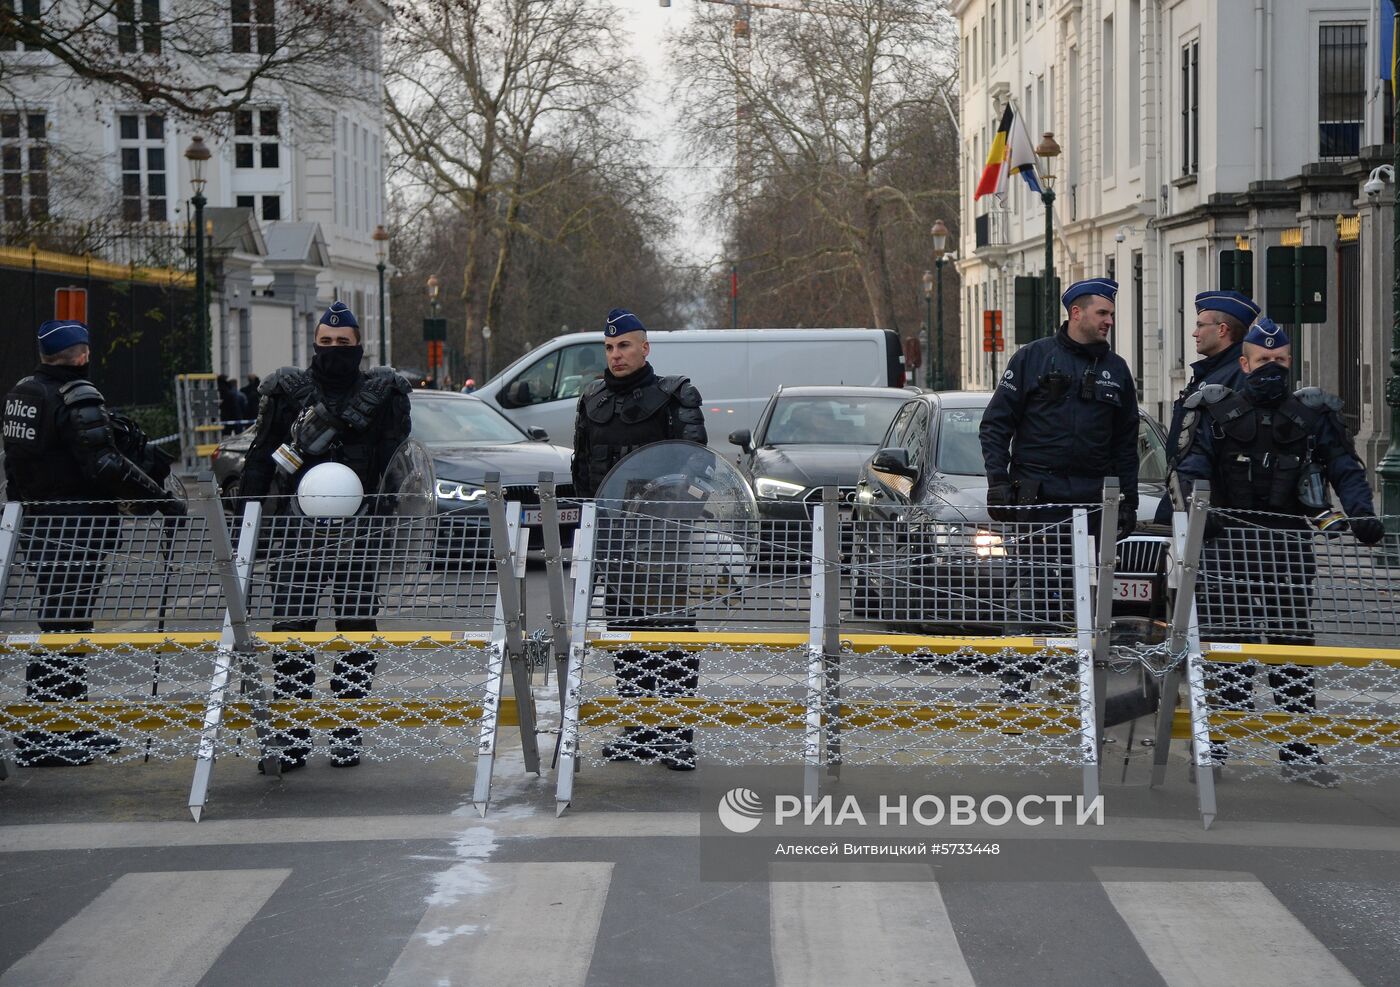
(478,91)
(820,107)
(194,58)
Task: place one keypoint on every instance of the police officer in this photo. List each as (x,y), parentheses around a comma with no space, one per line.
(1269,454)
(1064,415)
(1222,318)
(63,459)
(332,412)
(625,409)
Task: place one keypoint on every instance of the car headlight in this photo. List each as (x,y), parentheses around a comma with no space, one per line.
(767,487)
(988,545)
(449,490)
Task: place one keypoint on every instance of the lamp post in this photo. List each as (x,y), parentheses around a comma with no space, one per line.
(485,353)
(433,286)
(198,154)
(940,252)
(928,329)
(1388,469)
(381,241)
(1049,150)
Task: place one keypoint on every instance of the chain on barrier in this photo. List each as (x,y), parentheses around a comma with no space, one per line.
(1292,644)
(142,636)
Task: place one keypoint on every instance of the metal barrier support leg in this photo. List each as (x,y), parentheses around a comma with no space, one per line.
(1188,536)
(831,627)
(1084,635)
(812,748)
(554,577)
(1103,602)
(9,539)
(234,640)
(569,752)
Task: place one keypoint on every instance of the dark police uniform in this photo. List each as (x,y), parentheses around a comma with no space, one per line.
(614,417)
(347,416)
(1267,461)
(64,459)
(1222,368)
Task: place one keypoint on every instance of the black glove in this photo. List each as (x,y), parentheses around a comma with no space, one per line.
(1368,529)
(1001,494)
(171,507)
(1214,527)
(1127,519)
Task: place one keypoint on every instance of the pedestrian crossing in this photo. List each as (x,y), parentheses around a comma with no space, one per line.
(570,922)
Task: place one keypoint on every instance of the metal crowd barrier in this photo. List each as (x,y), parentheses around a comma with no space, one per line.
(1289,640)
(194,636)
(727,638)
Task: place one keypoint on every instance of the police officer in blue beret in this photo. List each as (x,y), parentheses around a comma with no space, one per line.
(630,406)
(1222,319)
(64,457)
(1064,416)
(1269,453)
(332,412)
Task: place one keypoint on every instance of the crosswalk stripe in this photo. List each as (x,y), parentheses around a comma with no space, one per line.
(1223,932)
(154,929)
(509,923)
(863,932)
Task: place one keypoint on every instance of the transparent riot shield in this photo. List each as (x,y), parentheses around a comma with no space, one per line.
(408,487)
(673,520)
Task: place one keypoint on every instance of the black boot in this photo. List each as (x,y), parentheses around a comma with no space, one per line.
(297,749)
(634,744)
(1303,764)
(345,747)
(678,749)
(42,749)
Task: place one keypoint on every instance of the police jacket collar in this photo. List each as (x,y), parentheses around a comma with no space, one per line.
(1092,351)
(1203,368)
(638,378)
(61,371)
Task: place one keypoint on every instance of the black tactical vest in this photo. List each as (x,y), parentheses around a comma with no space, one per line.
(620,421)
(1261,454)
(39,466)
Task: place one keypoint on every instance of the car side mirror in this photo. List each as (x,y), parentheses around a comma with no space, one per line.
(517,395)
(894,461)
(743,438)
(537,434)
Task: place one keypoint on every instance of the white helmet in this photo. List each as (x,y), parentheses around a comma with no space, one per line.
(330,490)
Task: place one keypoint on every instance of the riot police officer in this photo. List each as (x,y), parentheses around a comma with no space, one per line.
(1222,318)
(331,412)
(1269,454)
(63,457)
(625,409)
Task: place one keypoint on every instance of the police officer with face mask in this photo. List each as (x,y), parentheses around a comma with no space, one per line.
(625,409)
(332,412)
(64,457)
(1270,453)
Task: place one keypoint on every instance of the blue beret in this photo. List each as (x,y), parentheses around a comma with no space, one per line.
(1106,287)
(340,316)
(1265,333)
(622,321)
(1234,303)
(57,335)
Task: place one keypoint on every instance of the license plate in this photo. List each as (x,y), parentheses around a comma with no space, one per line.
(1133,590)
(534,516)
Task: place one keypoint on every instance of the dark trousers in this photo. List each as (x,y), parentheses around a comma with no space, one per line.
(1256,587)
(312,558)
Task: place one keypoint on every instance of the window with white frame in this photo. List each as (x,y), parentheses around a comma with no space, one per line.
(1341,89)
(257,138)
(138,26)
(1134,83)
(1108,107)
(141,153)
(254,26)
(27,13)
(1190,107)
(24,156)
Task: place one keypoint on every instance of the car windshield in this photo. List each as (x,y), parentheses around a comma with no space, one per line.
(959,448)
(448,421)
(844,421)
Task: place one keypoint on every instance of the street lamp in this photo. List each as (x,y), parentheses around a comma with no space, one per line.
(928,329)
(940,252)
(197,154)
(1388,469)
(1049,150)
(485,353)
(433,285)
(380,236)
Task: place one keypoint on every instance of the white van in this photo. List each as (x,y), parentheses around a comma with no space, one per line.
(735,369)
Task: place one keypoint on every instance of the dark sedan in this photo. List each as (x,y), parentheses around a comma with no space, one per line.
(928,476)
(467,439)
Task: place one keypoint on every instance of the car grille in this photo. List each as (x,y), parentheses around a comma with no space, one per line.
(844,495)
(529,494)
(1141,556)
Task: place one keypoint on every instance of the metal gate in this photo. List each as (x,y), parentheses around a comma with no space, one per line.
(1349,332)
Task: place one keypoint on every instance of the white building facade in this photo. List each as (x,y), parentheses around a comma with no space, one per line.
(295,187)
(1189,129)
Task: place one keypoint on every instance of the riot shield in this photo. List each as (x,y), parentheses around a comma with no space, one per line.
(673,522)
(408,487)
